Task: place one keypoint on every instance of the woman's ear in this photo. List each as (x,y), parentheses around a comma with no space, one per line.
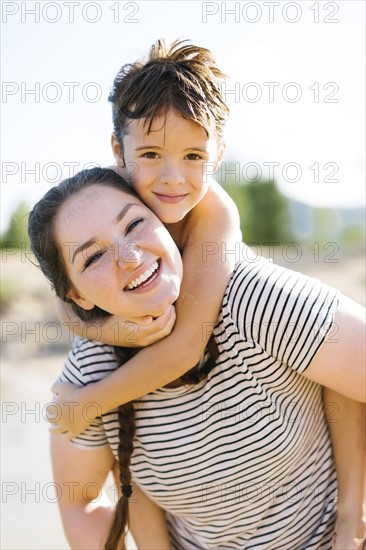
(80,300)
(117,151)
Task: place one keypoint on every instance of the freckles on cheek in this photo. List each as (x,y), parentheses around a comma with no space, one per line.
(97,282)
(147,231)
(102,278)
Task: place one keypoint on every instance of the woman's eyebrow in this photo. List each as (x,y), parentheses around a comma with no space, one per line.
(92,241)
(124,211)
(82,247)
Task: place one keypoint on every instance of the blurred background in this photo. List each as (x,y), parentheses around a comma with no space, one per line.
(294,165)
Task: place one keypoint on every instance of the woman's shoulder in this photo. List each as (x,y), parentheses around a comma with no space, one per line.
(255,276)
(90,360)
(83,349)
(265,300)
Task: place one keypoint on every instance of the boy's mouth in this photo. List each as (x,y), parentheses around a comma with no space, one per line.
(145,278)
(170,198)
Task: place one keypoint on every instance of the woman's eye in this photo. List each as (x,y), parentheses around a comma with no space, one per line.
(150,155)
(92,259)
(133,224)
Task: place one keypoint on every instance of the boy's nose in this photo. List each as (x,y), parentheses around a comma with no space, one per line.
(172,174)
(128,255)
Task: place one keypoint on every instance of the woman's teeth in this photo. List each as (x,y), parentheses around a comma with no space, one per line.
(143,277)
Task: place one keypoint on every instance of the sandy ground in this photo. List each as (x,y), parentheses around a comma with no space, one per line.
(33,350)
(32,354)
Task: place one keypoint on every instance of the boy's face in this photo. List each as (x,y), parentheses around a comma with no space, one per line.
(167,166)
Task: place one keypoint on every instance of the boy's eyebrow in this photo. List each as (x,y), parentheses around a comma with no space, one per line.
(147,147)
(194,147)
(93,240)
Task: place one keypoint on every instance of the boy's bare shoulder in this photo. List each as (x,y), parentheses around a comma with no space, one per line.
(215,212)
(216,202)
(216,206)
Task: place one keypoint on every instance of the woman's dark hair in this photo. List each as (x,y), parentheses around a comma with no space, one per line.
(126,432)
(182,77)
(43,243)
(41,231)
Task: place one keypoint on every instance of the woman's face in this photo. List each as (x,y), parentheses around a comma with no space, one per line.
(117,253)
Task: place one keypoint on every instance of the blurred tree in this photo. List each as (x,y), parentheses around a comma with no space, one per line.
(326,224)
(17,233)
(352,237)
(264,212)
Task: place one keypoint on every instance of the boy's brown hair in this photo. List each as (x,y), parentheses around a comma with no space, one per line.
(182,77)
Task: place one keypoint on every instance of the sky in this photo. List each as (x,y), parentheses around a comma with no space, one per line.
(296,89)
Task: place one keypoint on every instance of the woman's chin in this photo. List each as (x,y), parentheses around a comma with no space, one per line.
(161,308)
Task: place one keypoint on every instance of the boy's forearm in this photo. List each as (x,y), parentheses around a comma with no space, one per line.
(116,331)
(153,367)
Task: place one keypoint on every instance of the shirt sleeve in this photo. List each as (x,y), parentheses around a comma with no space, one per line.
(89,362)
(286,313)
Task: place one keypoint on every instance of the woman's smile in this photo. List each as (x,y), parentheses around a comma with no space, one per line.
(146,279)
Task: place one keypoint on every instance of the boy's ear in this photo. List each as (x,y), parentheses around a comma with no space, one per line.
(220,152)
(80,300)
(117,151)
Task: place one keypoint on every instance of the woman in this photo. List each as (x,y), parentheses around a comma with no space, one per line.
(240,458)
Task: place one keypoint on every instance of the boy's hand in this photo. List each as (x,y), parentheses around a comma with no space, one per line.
(146,331)
(340,543)
(69,414)
(115,331)
(349,536)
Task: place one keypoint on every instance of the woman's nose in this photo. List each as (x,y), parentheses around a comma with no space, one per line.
(128,255)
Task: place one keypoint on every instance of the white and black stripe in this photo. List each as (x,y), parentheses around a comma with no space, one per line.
(242,459)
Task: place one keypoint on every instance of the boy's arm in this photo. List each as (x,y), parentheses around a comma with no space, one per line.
(346,420)
(114,331)
(209,256)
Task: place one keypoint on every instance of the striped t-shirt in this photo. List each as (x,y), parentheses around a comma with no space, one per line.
(243,459)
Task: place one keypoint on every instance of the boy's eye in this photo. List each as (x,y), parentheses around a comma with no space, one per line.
(92,259)
(194,156)
(150,155)
(133,224)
